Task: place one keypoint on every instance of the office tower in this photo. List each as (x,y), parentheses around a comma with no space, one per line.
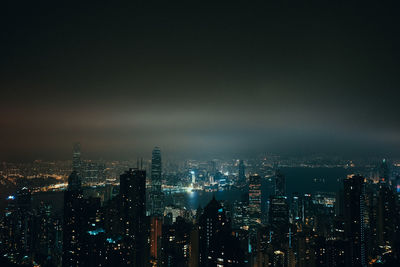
(280,184)
(193,177)
(255,200)
(217,246)
(279,215)
(133,217)
(354,219)
(242,175)
(240,215)
(213,168)
(92,172)
(76,158)
(156,166)
(295,211)
(156,196)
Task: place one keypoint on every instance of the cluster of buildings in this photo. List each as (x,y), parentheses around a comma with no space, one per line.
(133,226)
(25,231)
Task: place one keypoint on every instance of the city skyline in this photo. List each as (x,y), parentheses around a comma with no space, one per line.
(249,213)
(200,134)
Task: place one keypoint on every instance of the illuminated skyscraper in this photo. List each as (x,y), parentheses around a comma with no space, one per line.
(176,245)
(217,246)
(280,184)
(279,214)
(193,177)
(23,229)
(92,172)
(133,216)
(354,219)
(156,194)
(240,216)
(81,219)
(213,168)
(254,200)
(73,211)
(76,158)
(386,216)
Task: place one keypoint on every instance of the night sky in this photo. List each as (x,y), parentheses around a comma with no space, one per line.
(199,79)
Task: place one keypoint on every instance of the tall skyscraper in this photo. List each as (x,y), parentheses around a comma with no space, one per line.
(240,214)
(386,216)
(92,172)
(72,245)
(254,206)
(156,194)
(81,221)
(176,243)
(217,246)
(72,239)
(354,219)
(255,196)
(76,158)
(193,177)
(133,216)
(279,214)
(280,184)
(24,232)
(295,210)
(213,168)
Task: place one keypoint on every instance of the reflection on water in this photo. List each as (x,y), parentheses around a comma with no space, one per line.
(302,180)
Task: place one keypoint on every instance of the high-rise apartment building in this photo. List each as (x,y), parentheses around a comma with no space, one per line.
(354,219)
(133,216)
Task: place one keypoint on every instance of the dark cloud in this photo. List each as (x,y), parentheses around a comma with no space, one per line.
(199,78)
